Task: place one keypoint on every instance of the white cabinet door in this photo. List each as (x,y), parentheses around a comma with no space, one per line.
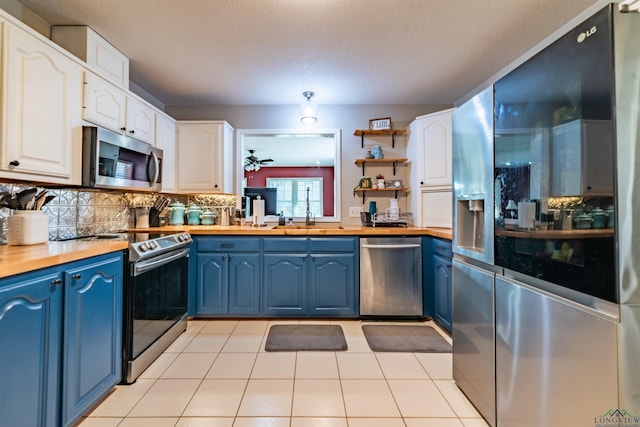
(104,104)
(41,92)
(166,141)
(201,148)
(430,167)
(109,106)
(433,141)
(89,46)
(141,121)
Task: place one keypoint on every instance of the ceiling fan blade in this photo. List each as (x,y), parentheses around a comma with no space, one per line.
(265,161)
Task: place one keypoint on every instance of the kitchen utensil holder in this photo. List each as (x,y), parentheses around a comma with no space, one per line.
(154,217)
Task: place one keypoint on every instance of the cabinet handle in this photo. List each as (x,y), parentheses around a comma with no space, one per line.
(224,257)
(215,186)
(304,258)
(14,163)
(230,257)
(123,129)
(132,131)
(56,282)
(76,276)
(421,182)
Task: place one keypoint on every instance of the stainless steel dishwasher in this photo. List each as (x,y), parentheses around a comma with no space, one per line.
(391,276)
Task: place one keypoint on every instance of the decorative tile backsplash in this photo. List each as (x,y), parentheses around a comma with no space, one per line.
(81,212)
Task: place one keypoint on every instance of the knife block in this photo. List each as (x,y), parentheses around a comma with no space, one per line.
(154,217)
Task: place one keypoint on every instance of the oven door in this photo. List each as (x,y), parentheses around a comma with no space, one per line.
(155,309)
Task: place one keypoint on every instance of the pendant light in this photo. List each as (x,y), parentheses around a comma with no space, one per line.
(308,109)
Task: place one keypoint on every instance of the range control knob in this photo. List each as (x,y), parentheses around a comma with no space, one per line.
(153,245)
(143,247)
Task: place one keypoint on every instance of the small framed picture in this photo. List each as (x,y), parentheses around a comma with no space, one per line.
(393,183)
(380,124)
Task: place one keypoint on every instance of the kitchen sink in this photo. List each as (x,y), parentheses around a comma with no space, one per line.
(309,227)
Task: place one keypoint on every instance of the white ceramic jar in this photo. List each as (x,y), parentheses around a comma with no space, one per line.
(27,228)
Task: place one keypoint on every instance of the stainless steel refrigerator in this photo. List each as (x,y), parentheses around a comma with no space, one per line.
(552,306)
(473,330)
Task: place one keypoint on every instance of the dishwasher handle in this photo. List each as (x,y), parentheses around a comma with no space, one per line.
(405,246)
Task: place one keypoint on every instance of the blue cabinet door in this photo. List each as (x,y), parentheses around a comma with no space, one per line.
(244,283)
(443,307)
(284,288)
(30,338)
(212,283)
(332,285)
(92,344)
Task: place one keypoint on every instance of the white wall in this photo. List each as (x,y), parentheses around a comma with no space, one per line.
(348,118)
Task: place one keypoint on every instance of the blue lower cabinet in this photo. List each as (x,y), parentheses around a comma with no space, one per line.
(212,284)
(443,304)
(92,344)
(60,341)
(275,276)
(332,290)
(30,331)
(227,284)
(244,284)
(437,280)
(284,287)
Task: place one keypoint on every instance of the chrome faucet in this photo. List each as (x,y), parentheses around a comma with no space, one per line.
(307,220)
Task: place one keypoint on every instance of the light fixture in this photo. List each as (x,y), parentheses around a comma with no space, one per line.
(308,109)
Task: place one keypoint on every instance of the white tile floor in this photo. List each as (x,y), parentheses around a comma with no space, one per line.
(217,374)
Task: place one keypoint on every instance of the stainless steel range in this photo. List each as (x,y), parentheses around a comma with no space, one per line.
(155,298)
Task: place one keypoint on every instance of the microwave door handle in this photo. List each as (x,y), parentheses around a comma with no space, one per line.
(156,168)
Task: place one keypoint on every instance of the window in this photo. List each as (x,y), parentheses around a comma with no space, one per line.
(292,195)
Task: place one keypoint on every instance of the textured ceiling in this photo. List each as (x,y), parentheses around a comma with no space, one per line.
(267,52)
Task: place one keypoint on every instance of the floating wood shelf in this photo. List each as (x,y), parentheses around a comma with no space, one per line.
(366,132)
(380,190)
(394,161)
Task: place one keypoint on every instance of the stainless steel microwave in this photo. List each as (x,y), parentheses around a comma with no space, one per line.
(115,161)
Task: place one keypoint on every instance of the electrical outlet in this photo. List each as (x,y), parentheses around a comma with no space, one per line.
(354,211)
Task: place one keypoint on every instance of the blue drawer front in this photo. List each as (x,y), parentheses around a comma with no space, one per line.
(333,244)
(228,244)
(442,248)
(285,244)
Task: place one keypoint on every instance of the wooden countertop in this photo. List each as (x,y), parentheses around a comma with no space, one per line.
(21,259)
(326,229)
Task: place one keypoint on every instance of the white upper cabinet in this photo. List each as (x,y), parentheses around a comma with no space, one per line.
(87,45)
(109,106)
(104,104)
(430,150)
(205,156)
(430,169)
(41,94)
(141,121)
(166,141)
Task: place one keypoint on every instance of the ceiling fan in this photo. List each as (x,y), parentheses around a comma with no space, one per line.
(252,163)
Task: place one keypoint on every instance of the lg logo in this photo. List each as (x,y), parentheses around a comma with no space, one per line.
(583,36)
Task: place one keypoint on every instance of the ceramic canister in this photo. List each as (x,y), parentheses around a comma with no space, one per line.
(193,215)
(177,213)
(27,227)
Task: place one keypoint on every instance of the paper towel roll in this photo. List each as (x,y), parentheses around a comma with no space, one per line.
(258,212)
(526,214)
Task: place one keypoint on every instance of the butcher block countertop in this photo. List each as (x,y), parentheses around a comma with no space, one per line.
(320,229)
(21,259)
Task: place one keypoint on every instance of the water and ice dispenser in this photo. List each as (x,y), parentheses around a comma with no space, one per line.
(470,223)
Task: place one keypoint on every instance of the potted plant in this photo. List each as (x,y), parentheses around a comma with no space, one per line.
(380,179)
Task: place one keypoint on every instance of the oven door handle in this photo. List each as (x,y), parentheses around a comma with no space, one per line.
(141,267)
